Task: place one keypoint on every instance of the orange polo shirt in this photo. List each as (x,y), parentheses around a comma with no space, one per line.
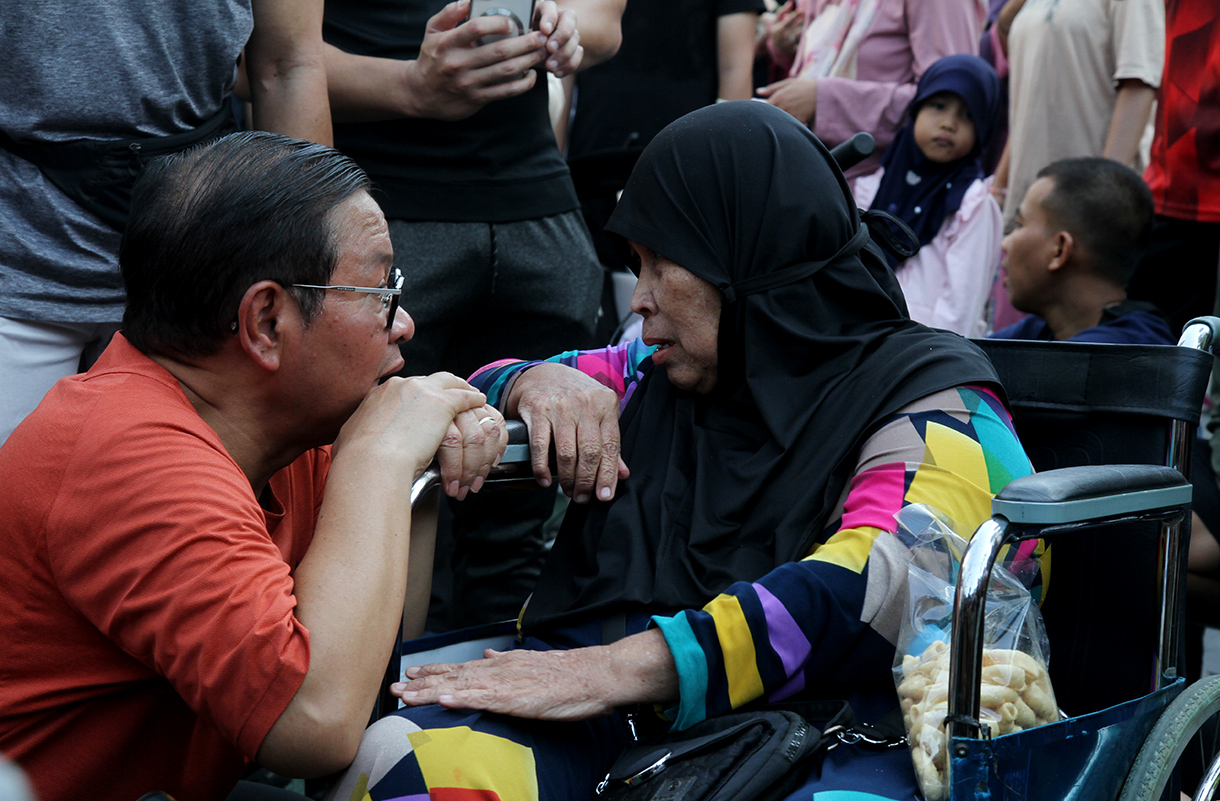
(146,598)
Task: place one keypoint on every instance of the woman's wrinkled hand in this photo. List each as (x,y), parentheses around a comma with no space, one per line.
(581,416)
(542,685)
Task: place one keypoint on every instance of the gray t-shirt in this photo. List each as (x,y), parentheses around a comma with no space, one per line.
(95,69)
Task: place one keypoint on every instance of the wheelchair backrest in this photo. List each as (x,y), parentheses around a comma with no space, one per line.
(1084,403)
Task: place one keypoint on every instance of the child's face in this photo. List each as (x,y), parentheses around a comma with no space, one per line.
(944,130)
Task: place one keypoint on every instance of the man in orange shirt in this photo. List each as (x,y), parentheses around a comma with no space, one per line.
(192,576)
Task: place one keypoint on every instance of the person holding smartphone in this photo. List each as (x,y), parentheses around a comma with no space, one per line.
(453,128)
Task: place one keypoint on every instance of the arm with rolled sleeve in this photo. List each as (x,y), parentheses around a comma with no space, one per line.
(1138,34)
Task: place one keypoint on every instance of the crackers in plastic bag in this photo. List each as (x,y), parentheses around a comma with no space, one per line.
(1015,691)
(1015,695)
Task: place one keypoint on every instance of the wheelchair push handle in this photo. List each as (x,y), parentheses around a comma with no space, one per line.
(514,465)
(518,450)
(1200,333)
(853,151)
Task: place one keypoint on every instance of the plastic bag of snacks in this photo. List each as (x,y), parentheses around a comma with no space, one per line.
(1016,691)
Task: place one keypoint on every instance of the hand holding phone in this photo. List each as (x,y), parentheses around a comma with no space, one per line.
(519,12)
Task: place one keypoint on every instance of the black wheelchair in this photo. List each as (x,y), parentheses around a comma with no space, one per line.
(1109,428)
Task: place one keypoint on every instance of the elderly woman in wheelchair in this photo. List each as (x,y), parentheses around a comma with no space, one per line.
(779,410)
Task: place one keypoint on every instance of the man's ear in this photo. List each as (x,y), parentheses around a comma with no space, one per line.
(1065,249)
(264,316)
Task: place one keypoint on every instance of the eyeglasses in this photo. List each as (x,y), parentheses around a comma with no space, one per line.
(389,293)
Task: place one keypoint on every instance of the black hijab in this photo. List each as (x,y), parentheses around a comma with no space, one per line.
(815,350)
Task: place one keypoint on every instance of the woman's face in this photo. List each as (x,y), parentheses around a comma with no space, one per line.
(681,315)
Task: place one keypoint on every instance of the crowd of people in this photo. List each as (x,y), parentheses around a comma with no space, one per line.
(226,354)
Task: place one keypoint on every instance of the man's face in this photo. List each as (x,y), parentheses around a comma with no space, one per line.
(1029,248)
(348,347)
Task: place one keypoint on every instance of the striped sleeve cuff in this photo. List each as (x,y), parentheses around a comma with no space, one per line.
(692,670)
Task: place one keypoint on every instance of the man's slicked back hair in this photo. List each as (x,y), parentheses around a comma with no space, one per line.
(211,221)
(1107,208)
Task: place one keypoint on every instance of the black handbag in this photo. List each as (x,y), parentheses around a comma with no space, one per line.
(754,755)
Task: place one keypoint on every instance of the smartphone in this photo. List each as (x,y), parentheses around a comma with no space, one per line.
(519,12)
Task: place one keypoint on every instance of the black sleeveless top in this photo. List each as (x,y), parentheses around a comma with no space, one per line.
(499,165)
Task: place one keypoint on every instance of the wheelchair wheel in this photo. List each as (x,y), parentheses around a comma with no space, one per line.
(1188,731)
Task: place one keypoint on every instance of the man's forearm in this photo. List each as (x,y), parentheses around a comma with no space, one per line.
(735,55)
(419,566)
(350,589)
(287,71)
(1130,117)
(367,88)
(293,103)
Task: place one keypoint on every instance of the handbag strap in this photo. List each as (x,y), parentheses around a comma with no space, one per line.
(838,724)
(79,154)
(99,174)
(834,718)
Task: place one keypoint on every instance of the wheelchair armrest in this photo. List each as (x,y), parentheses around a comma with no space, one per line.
(1055,501)
(1077,494)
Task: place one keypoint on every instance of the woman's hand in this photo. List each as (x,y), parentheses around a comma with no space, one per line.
(797,96)
(560,402)
(550,685)
(543,685)
(785,29)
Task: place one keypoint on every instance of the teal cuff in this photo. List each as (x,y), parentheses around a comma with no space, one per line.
(691,664)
